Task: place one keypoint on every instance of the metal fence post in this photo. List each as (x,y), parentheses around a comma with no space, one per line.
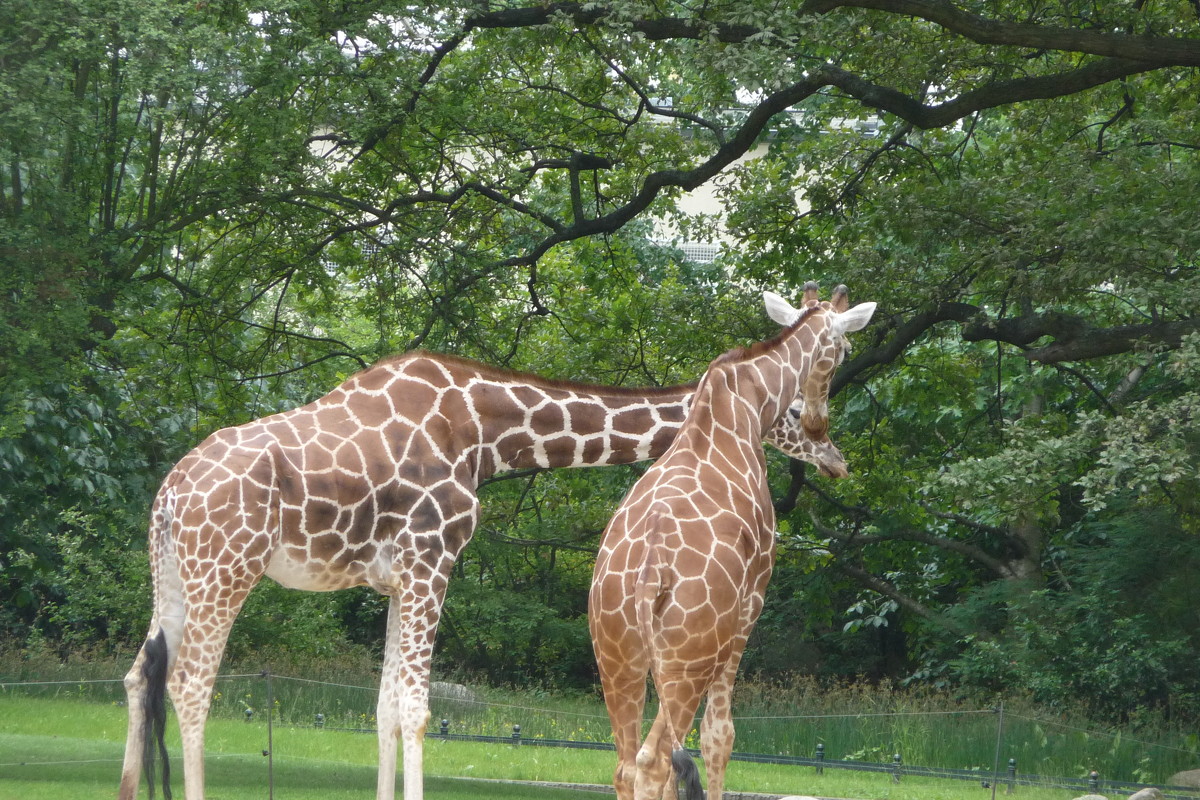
(820,758)
(999,743)
(1094,782)
(270,751)
(516,734)
(445,728)
(896,768)
(1012,775)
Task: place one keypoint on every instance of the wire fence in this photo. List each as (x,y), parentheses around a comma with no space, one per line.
(1001,749)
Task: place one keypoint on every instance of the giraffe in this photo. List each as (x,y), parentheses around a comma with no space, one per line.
(373,484)
(683,566)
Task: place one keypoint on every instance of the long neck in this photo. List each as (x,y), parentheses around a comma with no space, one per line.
(767,378)
(529,423)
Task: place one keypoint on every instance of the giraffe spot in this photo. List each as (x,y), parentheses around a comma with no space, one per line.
(593,449)
(662,440)
(560,451)
(362,524)
(637,420)
(425,516)
(325,547)
(586,418)
(319,515)
(675,413)
(516,449)
(527,396)
(624,450)
(372,379)
(370,410)
(547,420)
(395,498)
(321,485)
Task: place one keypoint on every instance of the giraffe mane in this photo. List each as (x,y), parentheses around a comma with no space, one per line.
(758,348)
(504,374)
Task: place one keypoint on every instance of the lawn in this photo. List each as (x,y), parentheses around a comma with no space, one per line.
(51,748)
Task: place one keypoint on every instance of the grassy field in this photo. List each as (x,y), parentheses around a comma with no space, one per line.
(51,748)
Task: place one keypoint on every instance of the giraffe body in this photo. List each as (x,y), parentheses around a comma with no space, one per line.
(373,484)
(684,564)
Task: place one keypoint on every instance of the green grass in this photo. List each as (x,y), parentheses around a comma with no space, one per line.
(51,748)
(853,721)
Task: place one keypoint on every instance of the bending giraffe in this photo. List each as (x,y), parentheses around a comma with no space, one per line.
(684,564)
(373,484)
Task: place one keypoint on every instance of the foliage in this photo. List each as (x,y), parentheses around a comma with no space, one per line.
(213,211)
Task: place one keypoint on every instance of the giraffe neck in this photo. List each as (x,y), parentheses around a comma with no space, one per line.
(518,421)
(767,378)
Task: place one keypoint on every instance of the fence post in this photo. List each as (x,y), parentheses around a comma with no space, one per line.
(319,721)
(1012,775)
(445,728)
(1094,782)
(270,751)
(516,734)
(999,743)
(896,768)
(820,758)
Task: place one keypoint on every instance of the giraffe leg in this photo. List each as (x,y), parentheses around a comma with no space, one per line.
(716,734)
(145,685)
(624,697)
(403,709)
(209,618)
(678,701)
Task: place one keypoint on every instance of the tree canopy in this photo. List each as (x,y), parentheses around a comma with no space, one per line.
(213,210)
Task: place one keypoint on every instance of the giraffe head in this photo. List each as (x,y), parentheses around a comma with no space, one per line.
(803,430)
(789,437)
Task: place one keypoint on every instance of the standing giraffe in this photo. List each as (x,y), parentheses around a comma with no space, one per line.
(373,484)
(683,566)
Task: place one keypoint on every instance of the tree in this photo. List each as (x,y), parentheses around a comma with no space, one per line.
(211,211)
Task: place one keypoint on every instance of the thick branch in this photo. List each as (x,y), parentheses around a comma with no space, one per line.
(1076,339)
(899,338)
(966,549)
(1158,50)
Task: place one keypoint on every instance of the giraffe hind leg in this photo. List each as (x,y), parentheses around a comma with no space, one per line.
(145,690)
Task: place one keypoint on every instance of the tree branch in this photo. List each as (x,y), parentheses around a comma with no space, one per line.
(889,589)
(1076,339)
(1157,50)
(900,337)
(1160,51)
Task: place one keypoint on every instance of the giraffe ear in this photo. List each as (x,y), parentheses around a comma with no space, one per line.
(779,309)
(855,319)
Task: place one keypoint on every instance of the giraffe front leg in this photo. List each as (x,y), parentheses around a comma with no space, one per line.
(403,709)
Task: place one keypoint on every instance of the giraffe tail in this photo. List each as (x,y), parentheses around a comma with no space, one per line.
(146,683)
(687,773)
(154,727)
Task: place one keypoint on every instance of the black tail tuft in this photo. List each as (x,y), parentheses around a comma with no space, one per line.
(687,773)
(154,670)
